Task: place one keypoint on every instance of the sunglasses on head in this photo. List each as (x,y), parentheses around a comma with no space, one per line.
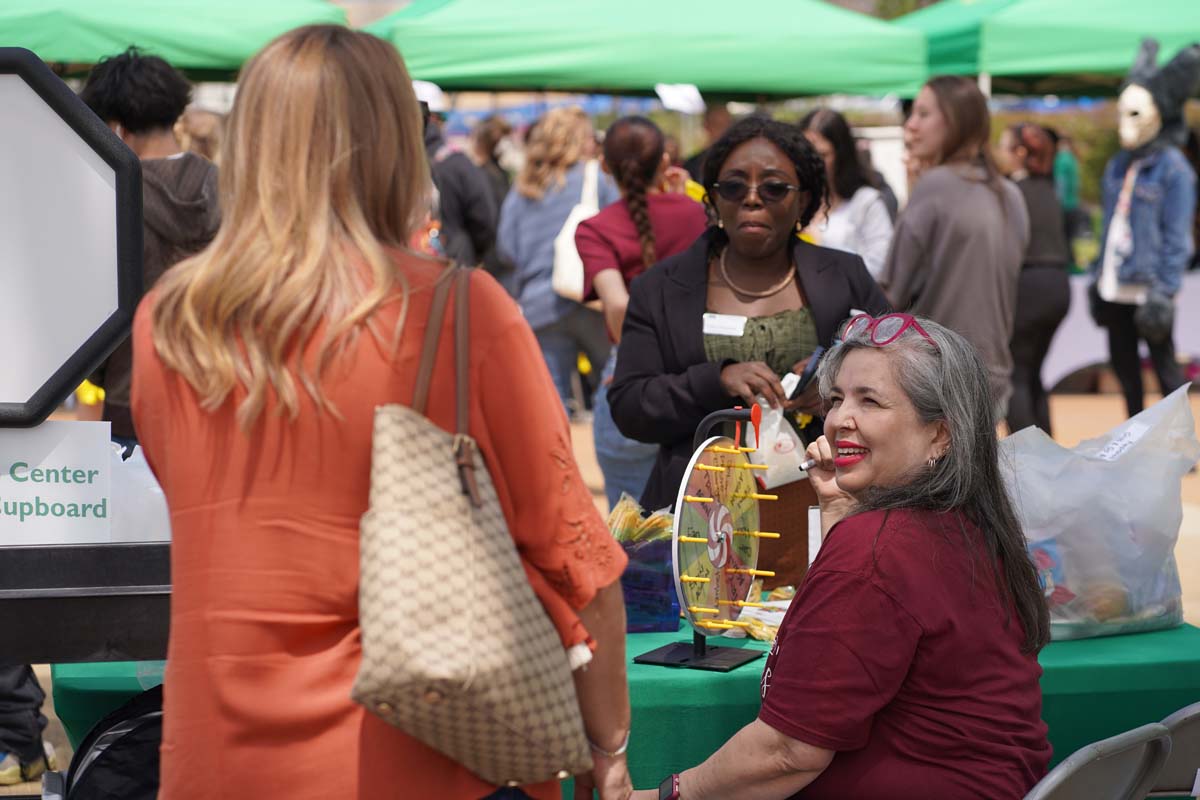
(735,190)
(884,330)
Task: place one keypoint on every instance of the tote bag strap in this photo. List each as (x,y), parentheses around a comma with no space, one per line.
(433,335)
(464,445)
(590,196)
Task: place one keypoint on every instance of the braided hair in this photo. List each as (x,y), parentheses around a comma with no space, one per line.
(633,151)
(810,168)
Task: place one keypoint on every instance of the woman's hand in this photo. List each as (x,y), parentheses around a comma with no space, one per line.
(834,502)
(914,168)
(675,180)
(750,379)
(809,401)
(610,776)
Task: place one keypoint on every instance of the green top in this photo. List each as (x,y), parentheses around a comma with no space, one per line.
(549,44)
(1066,179)
(779,341)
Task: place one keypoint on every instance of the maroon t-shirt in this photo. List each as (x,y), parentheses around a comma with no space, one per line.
(898,654)
(609,240)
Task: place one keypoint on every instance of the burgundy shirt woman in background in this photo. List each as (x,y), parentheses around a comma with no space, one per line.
(617,245)
(906,666)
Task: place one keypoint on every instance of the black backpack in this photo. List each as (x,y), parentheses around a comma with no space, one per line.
(118,759)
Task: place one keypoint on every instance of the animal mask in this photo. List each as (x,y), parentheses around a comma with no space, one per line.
(1151,104)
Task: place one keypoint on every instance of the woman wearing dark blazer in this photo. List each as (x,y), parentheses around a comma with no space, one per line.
(765,182)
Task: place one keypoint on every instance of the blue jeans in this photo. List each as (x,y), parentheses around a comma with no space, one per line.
(582,330)
(625,463)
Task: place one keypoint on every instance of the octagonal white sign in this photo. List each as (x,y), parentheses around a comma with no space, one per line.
(70,239)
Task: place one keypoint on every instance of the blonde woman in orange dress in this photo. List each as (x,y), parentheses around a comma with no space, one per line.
(258,366)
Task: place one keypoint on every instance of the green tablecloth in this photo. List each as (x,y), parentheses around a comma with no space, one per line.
(1091,689)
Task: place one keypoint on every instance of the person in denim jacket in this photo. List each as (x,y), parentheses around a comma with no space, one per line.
(1149,198)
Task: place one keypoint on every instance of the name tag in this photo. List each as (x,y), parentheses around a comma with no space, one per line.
(724,324)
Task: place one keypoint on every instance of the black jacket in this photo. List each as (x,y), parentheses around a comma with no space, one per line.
(664,384)
(467,209)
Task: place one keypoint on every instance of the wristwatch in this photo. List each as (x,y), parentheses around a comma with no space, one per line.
(669,789)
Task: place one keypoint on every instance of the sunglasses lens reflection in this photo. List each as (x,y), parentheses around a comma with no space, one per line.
(855,327)
(734,191)
(888,328)
(772,191)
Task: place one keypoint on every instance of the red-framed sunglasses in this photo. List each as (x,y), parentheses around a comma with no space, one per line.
(884,330)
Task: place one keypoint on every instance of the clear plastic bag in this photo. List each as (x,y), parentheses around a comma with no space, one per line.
(1102,519)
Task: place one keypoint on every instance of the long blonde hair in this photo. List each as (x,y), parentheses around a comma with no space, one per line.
(556,143)
(323,167)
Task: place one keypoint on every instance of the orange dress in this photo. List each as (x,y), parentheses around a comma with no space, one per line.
(265,642)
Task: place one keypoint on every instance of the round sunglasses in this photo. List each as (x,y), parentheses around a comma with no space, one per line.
(735,190)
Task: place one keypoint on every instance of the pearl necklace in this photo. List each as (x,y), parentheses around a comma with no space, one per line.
(776,289)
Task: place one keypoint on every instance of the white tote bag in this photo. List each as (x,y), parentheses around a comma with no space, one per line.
(567,279)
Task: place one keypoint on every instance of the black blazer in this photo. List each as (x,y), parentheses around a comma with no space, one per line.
(664,385)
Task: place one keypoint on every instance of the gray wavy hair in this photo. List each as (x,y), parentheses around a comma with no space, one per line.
(946,381)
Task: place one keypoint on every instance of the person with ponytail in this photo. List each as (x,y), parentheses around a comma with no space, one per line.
(618,244)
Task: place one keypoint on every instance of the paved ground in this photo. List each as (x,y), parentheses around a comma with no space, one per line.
(1075,417)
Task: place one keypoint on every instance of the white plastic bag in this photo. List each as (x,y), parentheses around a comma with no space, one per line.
(1102,519)
(139,507)
(781,449)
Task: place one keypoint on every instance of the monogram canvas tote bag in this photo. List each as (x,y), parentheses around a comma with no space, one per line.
(492,689)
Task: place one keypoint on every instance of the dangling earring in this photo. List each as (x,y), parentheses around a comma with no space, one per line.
(720,223)
(931,463)
(799,226)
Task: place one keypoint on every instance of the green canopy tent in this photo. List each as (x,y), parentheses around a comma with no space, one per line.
(203,37)
(952,28)
(1065,46)
(770,47)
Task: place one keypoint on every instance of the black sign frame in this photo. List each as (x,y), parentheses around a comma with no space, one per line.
(128,172)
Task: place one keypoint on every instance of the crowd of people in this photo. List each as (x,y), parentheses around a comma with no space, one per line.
(288,293)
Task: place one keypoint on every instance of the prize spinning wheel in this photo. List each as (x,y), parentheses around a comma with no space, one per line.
(715,546)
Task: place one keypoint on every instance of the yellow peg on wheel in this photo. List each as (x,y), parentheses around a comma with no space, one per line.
(756,496)
(757,534)
(730,451)
(696,539)
(761,573)
(740,604)
(703,610)
(750,466)
(690,579)
(747,449)
(687,498)
(709,468)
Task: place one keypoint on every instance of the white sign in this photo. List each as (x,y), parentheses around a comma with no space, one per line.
(59,286)
(55,484)
(683,97)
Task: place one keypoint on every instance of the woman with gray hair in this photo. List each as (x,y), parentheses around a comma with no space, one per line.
(906,666)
